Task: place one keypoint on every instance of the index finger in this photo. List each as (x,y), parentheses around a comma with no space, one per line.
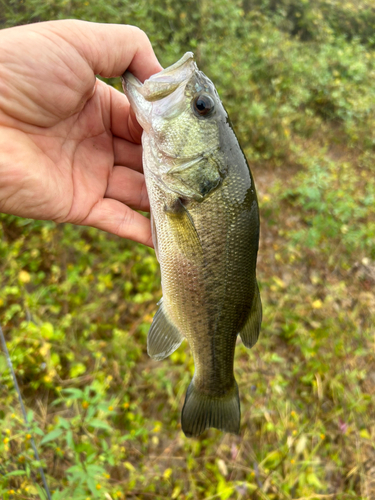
(110,49)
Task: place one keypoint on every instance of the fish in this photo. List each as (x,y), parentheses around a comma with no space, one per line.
(205,230)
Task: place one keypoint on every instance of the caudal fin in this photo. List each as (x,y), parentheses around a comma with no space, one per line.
(201,412)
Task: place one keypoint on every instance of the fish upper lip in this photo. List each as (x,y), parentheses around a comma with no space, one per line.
(181,62)
(166,81)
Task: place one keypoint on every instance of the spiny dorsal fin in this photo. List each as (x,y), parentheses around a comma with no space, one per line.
(163,337)
(250,332)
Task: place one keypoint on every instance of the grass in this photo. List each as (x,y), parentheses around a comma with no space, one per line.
(76,304)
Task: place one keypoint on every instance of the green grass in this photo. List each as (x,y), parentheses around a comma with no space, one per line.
(76,304)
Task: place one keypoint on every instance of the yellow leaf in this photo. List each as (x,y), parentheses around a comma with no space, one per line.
(301,444)
(24,277)
(129,466)
(158,426)
(364,433)
(176,492)
(317,304)
(272,458)
(167,473)
(222,467)
(45,349)
(279,282)
(32,490)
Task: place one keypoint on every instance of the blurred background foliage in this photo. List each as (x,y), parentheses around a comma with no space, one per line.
(297,78)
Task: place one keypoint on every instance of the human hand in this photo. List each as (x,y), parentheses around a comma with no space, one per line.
(70,144)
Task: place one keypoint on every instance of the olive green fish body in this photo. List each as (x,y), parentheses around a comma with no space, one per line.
(206,231)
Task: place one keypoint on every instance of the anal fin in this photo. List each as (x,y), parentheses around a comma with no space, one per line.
(250,332)
(163,337)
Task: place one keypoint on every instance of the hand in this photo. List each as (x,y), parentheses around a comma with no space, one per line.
(70,144)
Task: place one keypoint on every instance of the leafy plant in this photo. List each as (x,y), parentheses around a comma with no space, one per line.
(76,304)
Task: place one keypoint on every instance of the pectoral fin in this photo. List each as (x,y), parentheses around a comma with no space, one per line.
(163,337)
(183,230)
(250,332)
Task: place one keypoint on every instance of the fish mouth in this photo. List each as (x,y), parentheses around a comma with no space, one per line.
(165,82)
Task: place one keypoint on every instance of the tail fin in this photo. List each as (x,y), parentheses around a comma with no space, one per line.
(201,412)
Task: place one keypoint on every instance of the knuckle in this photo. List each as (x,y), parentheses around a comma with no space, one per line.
(143,39)
(143,201)
(125,222)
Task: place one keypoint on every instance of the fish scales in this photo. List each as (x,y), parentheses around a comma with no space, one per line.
(206,231)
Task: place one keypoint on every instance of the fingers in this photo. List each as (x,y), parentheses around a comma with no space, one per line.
(115,217)
(110,49)
(129,187)
(128,154)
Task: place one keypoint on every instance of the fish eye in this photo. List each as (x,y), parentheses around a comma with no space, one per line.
(203,105)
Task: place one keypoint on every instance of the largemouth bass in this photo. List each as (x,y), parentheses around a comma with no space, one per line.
(205,223)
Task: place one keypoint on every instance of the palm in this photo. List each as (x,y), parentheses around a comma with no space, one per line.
(78,157)
(73,159)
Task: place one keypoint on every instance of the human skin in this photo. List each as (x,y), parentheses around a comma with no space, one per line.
(70,146)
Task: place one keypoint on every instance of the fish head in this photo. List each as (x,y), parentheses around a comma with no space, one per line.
(181,110)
